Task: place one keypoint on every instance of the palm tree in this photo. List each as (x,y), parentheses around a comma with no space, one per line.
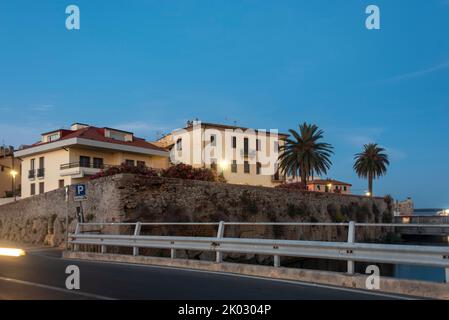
(303,154)
(371,163)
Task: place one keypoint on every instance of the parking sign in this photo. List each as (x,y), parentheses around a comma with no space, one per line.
(80,192)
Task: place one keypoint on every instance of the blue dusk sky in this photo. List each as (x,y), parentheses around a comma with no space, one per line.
(148,66)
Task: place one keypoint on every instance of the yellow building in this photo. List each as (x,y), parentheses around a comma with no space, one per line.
(241,155)
(64,157)
(8,164)
(329,185)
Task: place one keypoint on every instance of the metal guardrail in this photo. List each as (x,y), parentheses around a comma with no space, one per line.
(350,251)
(421,219)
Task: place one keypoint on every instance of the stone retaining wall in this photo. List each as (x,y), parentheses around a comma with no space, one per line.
(126,197)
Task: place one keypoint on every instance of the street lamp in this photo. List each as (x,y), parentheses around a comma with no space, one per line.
(223,165)
(14,174)
(368,194)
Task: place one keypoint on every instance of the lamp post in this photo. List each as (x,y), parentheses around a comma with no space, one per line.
(14,174)
(223,166)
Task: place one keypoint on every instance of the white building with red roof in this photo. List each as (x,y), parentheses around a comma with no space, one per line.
(69,156)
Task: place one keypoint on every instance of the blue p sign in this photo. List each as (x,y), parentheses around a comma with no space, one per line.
(80,192)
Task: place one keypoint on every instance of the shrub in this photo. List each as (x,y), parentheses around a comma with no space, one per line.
(387,217)
(293,186)
(185,171)
(123,168)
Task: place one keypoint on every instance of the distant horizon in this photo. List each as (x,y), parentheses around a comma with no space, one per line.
(149,66)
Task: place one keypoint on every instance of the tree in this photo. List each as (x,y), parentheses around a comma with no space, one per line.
(304,155)
(371,163)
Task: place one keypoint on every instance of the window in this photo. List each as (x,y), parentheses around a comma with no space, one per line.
(345,188)
(141,163)
(179,144)
(245,146)
(246,167)
(41,187)
(84,162)
(258,167)
(32,189)
(258,145)
(234,166)
(41,162)
(61,183)
(318,187)
(53,137)
(213,140)
(40,171)
(129,162)
(32,164)
(213,164)
(98,163)
(234,142)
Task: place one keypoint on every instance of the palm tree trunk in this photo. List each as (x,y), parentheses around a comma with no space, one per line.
(304,178)
(370,184)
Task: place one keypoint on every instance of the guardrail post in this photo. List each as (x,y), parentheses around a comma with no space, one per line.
(76,247)
(277,261)
(447,275)
(136,233)
(103,249)
(220,234)
(172,253)
(351,239)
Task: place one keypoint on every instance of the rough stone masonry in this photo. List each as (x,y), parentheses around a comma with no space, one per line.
(126,197)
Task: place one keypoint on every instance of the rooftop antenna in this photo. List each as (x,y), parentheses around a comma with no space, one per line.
(234,122)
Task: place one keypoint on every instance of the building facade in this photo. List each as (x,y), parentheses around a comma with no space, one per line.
(241,155)
(64,157)
(8,165)
(329,185)
(404,207)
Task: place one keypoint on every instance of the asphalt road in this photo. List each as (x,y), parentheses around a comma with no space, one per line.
(41,275)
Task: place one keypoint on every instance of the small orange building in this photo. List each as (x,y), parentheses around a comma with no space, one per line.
(329,185)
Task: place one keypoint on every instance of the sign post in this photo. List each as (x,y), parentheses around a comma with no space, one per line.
(67,189)
(80,195)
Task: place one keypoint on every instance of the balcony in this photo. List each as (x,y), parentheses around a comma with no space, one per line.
(82,169)
(31,174)
(245,153)
(40,172)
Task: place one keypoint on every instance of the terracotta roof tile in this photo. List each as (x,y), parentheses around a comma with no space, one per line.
(97,134)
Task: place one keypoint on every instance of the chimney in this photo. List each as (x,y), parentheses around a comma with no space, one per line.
(78,126)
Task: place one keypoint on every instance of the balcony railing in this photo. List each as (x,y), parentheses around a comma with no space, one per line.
(82,164)
(40,172)
(31,174)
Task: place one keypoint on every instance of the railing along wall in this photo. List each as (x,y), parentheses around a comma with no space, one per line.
(349,251)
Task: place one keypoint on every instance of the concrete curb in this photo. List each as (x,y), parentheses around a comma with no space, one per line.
(387,285)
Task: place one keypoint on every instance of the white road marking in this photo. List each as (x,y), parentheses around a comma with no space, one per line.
(44,286)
